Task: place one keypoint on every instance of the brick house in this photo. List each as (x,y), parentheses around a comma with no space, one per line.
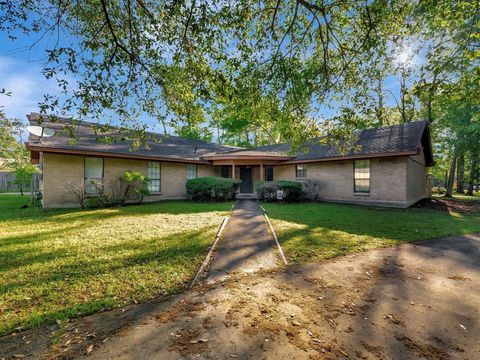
(387,166)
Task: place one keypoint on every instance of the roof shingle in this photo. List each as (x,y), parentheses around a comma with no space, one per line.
(394,140)
(157,145)
(383,140)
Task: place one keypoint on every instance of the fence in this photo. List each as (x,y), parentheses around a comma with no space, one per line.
(7,182)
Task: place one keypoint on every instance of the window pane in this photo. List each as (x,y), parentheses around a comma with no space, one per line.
(268,173)
(154,178)
(225,172)
(362,176)
(93,186)
(93,168)
(301,171)
(191,171)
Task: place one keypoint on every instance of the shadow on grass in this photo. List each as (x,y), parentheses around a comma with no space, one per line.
(325,230)
(10,210)
(62,263)
(172,265)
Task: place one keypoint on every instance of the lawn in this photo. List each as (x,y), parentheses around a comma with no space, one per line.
(313,231)
(456,196)
(64,263)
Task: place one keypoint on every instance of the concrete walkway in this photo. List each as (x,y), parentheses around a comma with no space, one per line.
(246,247)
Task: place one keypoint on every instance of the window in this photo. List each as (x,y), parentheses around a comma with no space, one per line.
(361,176)
(222,171)
(191,171)
(301,171)
(268,173)
(153,174)
(93,175)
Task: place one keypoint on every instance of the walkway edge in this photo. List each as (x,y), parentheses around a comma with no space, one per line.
(280,250)
(210,252)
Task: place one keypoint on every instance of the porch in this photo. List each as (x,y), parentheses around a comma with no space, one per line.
(248,174)
(248,166)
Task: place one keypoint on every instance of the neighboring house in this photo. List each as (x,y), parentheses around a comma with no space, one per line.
(386,166)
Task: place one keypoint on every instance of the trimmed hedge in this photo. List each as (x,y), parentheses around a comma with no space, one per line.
(212,188)
(267,190)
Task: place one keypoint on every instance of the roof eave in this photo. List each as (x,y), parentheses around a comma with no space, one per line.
(352,157)
(113,155)
(246,157)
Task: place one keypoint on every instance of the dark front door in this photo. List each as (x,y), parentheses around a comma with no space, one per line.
(246,176)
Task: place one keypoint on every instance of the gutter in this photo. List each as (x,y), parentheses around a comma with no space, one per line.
(112,155)
(352,157)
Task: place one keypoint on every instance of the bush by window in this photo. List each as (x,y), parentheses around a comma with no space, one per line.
(267,190)
(212,188)
(312,188)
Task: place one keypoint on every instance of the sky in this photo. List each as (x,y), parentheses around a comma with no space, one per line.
(21,74)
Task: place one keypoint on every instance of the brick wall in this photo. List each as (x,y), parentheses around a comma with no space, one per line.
(58,169)
(388,180)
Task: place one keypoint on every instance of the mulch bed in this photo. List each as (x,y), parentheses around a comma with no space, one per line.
(450,205)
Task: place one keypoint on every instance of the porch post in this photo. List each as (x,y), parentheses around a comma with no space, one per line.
(233,170)
(262,172)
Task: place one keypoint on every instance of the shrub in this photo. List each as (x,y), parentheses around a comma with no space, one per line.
(23,176)
(439,190)
(77,191)
(212,188)
(312,188)
(267,190)
(131,184)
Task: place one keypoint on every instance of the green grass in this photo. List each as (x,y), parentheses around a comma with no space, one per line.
(455,196)
(64,263)
(314,231)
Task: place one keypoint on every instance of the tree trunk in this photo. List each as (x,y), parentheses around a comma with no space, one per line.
(403,94)
(460,174)
(473,175)
(451,178)
(380,107)
(431,94)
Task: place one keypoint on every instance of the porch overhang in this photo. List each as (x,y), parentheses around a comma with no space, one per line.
(247,158)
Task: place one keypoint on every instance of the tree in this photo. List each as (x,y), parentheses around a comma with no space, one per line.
(255,71)
(23,176)
(459,116)
(10,137)
(474,177)
(14,152)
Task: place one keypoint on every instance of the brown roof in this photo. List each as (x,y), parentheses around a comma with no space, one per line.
(404,139)
(392,140)
(117,141)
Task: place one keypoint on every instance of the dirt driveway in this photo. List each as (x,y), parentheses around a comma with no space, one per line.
(412,301)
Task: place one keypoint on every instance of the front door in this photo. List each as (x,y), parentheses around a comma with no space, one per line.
(246,176)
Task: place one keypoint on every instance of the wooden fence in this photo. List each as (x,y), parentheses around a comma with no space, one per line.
(7,182)
(7,179)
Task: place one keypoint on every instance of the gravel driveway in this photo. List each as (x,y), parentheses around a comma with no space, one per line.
(412,301)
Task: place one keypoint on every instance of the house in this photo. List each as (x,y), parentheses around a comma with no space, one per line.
(387,166)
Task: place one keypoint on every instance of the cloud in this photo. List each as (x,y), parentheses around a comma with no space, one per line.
(27,85)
